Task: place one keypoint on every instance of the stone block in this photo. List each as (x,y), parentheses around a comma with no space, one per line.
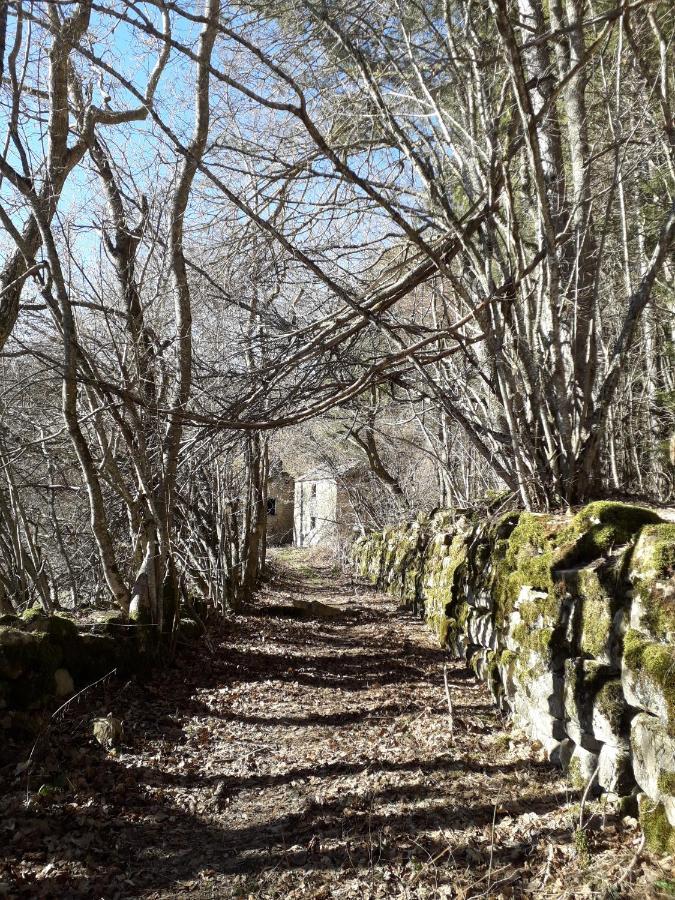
(616,771)
(648,676)
(582,767)
(654,761)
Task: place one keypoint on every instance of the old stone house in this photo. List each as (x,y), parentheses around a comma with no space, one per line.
(323,513)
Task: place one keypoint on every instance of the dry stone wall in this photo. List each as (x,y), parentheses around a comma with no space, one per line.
(570,620)
(46,658)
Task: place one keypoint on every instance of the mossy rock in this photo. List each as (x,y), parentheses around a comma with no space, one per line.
(35,619)
(648,676)
(541,546)
(98,654)
(190,629)
(112,622)
(10,620)
(25,652)
(61,629)
(653,755)
(659,833)
(652,574)
(602,525)
(611,713)
(584,680)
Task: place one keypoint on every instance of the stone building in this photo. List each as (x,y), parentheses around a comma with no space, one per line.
(280,489)
(323,512)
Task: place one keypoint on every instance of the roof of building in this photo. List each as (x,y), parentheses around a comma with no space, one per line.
(334,474)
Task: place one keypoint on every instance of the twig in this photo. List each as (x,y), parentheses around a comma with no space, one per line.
(585,796)
(492,845)
(547,868)
(629,868)
(451,718)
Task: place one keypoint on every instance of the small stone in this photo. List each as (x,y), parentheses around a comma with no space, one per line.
(63,682)
(108,731)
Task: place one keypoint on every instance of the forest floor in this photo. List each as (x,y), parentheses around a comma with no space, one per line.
(289,757)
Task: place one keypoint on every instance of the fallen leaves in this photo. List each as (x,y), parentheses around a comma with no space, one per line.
(306,759)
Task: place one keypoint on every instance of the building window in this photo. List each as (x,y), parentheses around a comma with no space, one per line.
(271,506)
(313,490)
(312,523)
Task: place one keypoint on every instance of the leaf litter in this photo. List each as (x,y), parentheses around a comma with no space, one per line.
(305,757)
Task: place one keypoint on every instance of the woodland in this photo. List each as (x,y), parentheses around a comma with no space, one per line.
(432,239)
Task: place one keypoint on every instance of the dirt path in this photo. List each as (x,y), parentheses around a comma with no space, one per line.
(306,758)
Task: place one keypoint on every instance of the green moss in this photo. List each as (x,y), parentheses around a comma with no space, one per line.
(528,559)
(61,628)
(34,618)
(601,526)
(536,639)
(666,783)
(444,628)
(610,702)
(653,575)
(508,658)
(657,662)
(582,846)
(596,624)
(659,833)
(663,549)
(501,742)
(574,776)
(25,652)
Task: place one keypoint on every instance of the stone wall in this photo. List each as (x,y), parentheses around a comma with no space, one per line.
(570,620)
(47,658)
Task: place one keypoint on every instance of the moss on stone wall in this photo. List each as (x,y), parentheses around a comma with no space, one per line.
(659,833)
(652,573)
(654,662)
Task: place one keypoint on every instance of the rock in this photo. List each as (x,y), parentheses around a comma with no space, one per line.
(594,703)
(190,630)
(98,654)
(654,761)
(648,676)
(481,630)
(597,636)
(652,574)
(317,609)
(542,690)
(35,619)
(63,682)
(616,771)
(108,731)
(582,768)
(611,714)
(561,754)
(581,738)
(112,622)
(538,724)
(22,651)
